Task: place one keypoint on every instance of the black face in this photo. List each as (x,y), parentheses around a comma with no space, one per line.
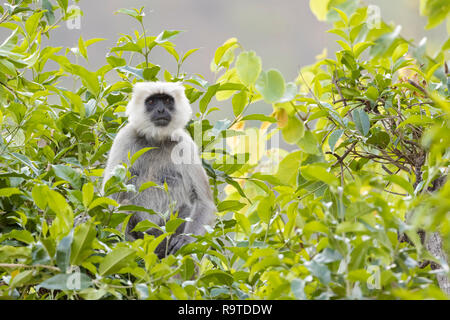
(160,107)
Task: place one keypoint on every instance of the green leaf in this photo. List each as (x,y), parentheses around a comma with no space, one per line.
(63,222)
(157,241)
(8,192)
(150,73)
(248,67)
(74,281)
(20,235)
(147,185)
(49,14)
(436,11)
(132,13)
(288,167)
(116,61)
(102,201)
(40,255)
(328,255)
(316,172)
(144,225)
(418,120)
(208,96)
(230,205)
(361,47)
(63,4)
(308,143)
(402,182)
(129,46)
(135,208)
(400,51)
(342,14)
(82,47)
(293,131)
(32,23)
(172,52)
(271,85)
(381,139)
(217,277)
(239,102)
(115,260)
(68,174)
(89,42)
(372,93)
(82,243)
(88,193)
(166,35)
(349,226)
(243,221)
(259,117)
(383,43)
(188,53)
(334,137)
(21,279)
(290,93)
(138,73)
(361,120)
(298,289)
(319,8)
(139,153)
(320,271)
(264,210)
(222,50)
(39,194)
(63,252)
(88,78)
(173,224)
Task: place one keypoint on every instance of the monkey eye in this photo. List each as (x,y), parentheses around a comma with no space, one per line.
(168,100)
(150,101)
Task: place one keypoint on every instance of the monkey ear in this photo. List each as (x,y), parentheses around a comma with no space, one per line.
(138,94)
(140,90)
(179,92)
(179,86)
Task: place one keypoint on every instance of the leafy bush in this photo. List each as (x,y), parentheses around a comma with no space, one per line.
(366,168)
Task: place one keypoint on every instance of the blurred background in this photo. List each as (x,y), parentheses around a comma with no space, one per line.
(284,33)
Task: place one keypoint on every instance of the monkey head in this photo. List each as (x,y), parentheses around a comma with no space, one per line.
(157,109)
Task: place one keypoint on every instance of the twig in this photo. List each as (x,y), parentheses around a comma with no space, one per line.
(339,89)
(386,169)
(396,193)
(4,17)
(19,265)
(346,153)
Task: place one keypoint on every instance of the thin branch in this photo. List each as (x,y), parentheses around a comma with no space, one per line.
(396,193)
(19,265)
(346,153)
(339,89)
(386,169)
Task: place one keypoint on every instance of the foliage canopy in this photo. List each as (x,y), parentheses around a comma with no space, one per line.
(369,140)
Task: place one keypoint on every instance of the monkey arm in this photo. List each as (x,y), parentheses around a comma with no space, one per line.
(202,214)
(202,211)
(199,214)
(119,151)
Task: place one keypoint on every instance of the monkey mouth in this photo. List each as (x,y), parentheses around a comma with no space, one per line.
(161,122)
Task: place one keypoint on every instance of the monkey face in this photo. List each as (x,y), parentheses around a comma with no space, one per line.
(160,107)
(157,109)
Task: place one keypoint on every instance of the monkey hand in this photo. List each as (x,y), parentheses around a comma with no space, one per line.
(179,241)
(179,135)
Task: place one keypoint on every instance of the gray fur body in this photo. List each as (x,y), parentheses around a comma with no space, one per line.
(189,190)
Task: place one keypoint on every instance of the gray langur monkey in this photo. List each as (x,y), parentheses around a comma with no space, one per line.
(157,114)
